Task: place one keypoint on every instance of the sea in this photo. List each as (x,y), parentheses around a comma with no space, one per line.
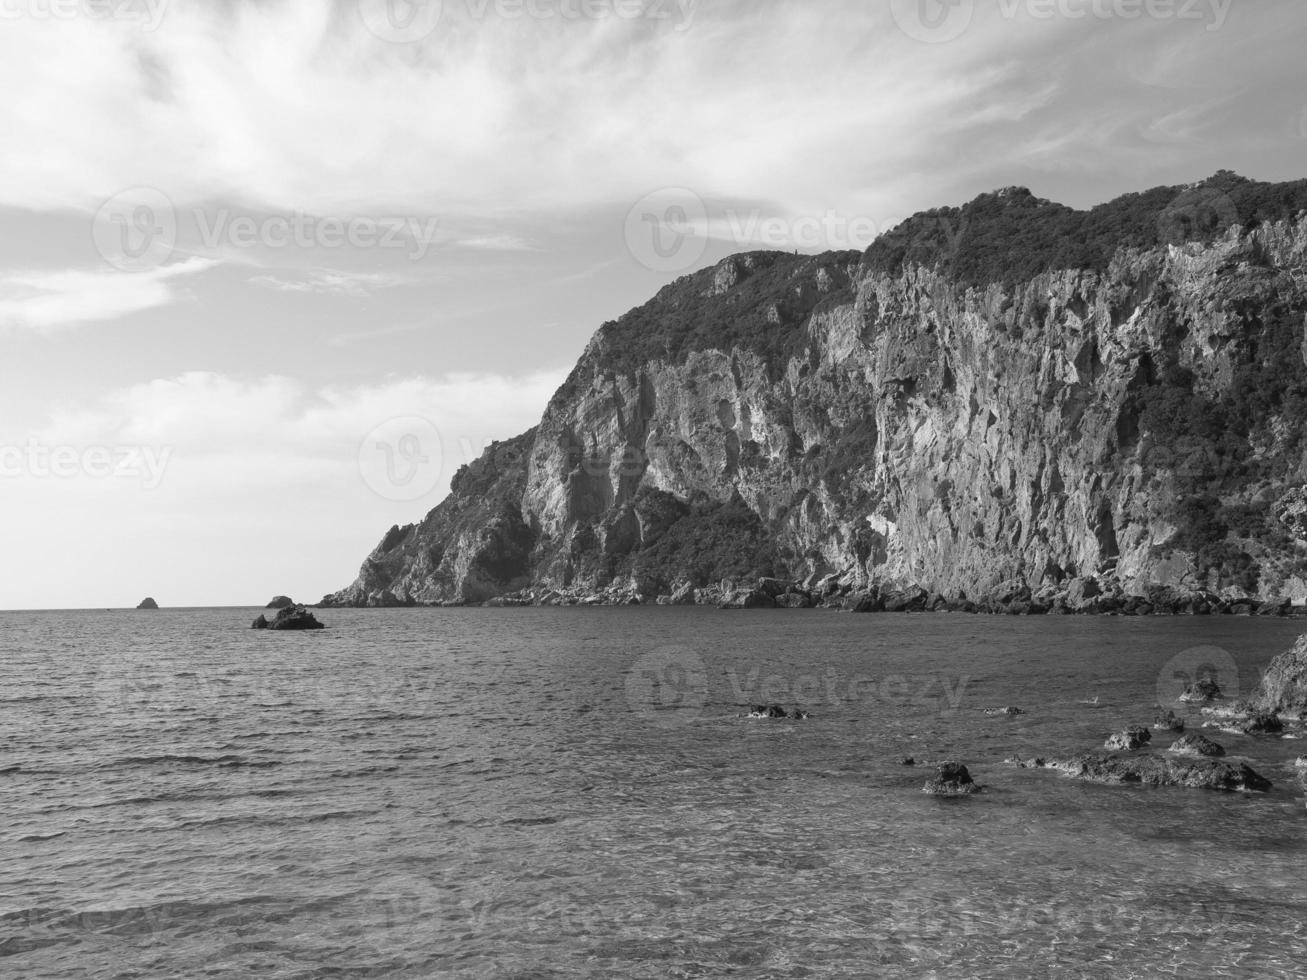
(542,793)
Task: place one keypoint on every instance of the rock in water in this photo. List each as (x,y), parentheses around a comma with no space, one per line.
(1201,692)
(1134,737)
(290,618)
(280,602)
(1196,745)
(148,603)
(951,779)
(1168,721)
(1151,770)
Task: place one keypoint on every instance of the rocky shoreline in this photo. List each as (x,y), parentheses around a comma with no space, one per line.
(1081,597)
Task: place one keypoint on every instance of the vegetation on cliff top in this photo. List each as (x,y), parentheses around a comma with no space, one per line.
(1011,236)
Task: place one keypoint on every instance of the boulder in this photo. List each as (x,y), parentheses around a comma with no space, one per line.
(768,711)
(748,599)
(1152,770)
(1201,692)
(794,600)
(1194,744)
(683,595)
(772,587)
(864,602)
(907,600)
(1080,591)
(280,602)
(951,779)
(1134,737)
(290,618)
(147,603)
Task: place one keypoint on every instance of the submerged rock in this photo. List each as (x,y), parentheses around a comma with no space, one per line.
(1134,737)
(290,618)
(1009,712)
(776,711)
(1152,770)
(951,779)
(147,603)
(1196,745)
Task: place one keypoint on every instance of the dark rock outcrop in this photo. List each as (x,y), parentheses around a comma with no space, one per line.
(994,406)
(280,602)
(1194,744)
(1134,737)
(1151,770)
(1202,691)
(148,603)
(290,618)
(951,779)
(775,711)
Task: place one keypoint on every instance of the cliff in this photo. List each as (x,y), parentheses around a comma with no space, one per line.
(1007,400)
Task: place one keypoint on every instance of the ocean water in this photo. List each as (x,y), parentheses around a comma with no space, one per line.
(573,793)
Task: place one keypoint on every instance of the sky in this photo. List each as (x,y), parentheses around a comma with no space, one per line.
(272,270)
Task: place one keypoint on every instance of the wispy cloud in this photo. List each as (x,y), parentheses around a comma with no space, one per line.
(329,282)
(50,300)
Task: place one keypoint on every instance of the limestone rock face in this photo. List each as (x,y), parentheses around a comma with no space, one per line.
(914,435)
(1284,685)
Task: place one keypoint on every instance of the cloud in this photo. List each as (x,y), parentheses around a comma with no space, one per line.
(49,300)
(210,489)
(221,425)
(329,282)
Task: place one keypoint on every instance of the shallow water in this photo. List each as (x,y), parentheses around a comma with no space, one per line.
(562,793)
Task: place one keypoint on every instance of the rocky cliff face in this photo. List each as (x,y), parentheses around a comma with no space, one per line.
(953,411)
